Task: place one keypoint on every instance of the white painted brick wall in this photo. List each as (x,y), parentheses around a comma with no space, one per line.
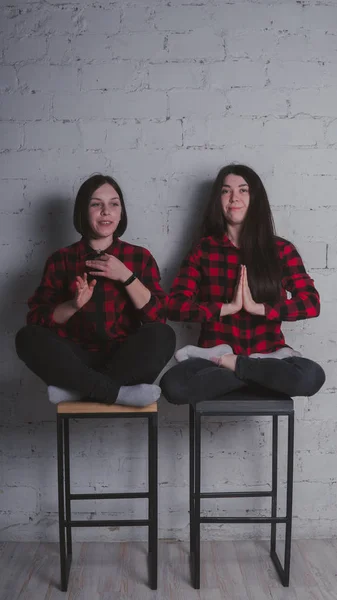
(109,76)
(176,75)
(26,49)
(202,43)
(25,107)
(161,95)
(47,78)
(241,73)
(111,105)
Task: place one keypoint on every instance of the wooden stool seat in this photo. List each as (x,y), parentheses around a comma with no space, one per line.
(84,408)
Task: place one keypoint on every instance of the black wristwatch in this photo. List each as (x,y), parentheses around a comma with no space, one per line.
(130,280)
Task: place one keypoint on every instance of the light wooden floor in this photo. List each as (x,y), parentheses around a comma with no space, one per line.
(230,571)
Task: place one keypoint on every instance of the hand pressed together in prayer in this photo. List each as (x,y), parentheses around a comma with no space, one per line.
(248,303)
(243,297)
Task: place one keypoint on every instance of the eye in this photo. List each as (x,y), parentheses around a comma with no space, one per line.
(244,190)
(94,204)
(224,191)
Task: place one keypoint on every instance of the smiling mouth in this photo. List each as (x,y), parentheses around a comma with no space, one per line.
(105,222)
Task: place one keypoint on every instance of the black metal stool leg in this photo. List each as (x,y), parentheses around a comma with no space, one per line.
(274,483)
(153,499)
(242,403)
(67,488)
(197,501)
(290,473)
(149,452)
(60,469)
(192,480)
(284,571)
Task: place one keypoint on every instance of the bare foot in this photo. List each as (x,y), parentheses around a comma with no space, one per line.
(226,360)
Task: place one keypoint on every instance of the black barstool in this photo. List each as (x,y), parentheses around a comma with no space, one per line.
(86,410)
(242,403)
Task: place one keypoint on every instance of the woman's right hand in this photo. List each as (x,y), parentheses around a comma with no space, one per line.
(84,291)
(237,303)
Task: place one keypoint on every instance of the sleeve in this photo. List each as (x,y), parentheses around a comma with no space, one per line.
(304,302)
(48,294)
(156,307)
(183,302)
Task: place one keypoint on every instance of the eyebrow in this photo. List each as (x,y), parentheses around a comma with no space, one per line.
(100,199)
(241,185)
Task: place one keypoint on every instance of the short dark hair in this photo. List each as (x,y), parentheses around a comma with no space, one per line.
(84,195)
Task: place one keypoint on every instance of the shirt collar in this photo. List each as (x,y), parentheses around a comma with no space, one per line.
(224,241)
(87,252)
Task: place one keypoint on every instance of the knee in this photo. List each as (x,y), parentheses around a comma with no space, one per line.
(163,337)
(317,379)
(172,388)
(311,378)
(23,341)
(29,338)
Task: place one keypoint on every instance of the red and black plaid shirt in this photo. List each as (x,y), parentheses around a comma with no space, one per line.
(207,279)
(110,315)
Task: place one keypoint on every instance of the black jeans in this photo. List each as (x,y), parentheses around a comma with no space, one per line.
(198,379)
(96,375)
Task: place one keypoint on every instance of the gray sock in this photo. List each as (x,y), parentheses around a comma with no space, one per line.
(280,353)
(56,395)
(196,352)
(128,395)
(138,395)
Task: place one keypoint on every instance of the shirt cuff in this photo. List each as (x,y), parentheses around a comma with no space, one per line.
(272,313)
(214,309)
(152,309)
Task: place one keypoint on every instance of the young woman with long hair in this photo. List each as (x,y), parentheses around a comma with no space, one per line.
(235,282)
(96,324)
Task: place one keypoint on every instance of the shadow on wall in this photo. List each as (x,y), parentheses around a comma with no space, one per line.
(39,232)
(183,226)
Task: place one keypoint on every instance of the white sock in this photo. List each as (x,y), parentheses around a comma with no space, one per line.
(138,395)
(285,352)
(57,395)
(196,352)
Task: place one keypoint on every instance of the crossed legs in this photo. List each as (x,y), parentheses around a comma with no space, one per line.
(125,376)
(197,379)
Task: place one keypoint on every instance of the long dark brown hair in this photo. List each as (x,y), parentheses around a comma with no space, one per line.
(257,236)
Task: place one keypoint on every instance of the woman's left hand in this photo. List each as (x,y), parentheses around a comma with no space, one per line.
(110,267)
(249,304)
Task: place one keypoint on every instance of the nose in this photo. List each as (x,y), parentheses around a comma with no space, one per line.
(234,196)
(105,210)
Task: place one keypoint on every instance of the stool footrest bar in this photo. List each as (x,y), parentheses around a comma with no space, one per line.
(109,496)
(235,494)
(243,519)
(109,522)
